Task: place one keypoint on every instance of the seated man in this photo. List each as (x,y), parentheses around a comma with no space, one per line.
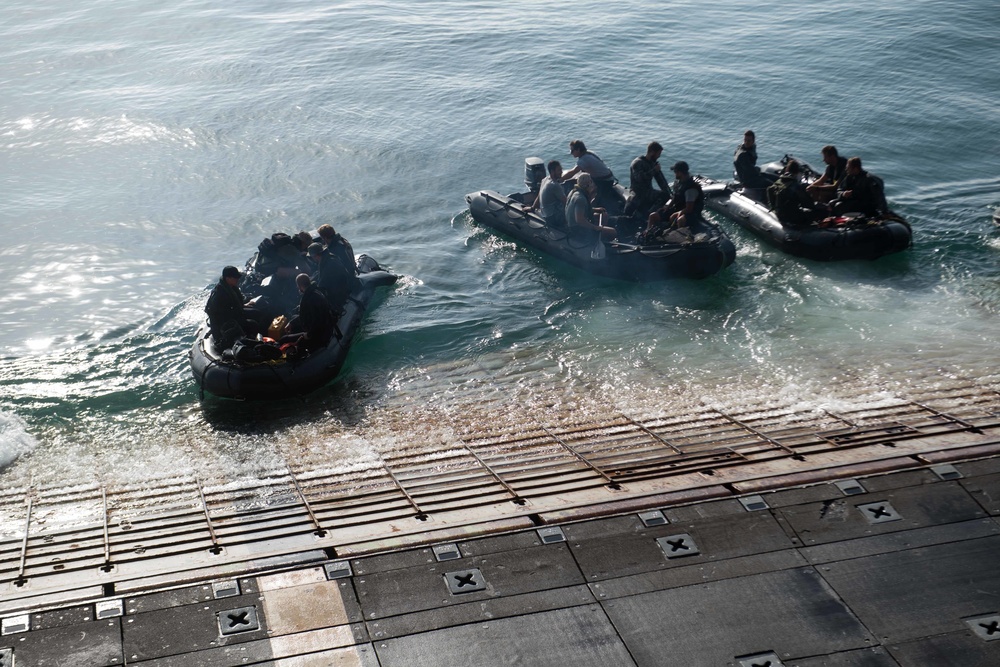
(857,192)
(584,221)
(551,202)
(824,188)
(315,323)
(745,164)
(642,172)
(229,318)
(790,202)
(589,163)
(684,207)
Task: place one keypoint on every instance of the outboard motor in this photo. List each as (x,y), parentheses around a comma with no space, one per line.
(772,170)
(534,172)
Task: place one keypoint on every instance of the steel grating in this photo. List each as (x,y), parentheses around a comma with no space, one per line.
(539,465)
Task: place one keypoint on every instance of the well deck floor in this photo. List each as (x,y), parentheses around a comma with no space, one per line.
(759,539)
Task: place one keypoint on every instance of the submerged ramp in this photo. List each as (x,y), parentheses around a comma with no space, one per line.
(763,537)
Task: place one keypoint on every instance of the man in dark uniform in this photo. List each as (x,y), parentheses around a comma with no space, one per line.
(857,192)
(315,322)
(229,319)
(684,207)
(339,246)
(824,188)
(745,163)
(338,269)
(642,172)
(789,200)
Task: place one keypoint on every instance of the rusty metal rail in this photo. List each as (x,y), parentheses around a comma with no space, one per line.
(536,463)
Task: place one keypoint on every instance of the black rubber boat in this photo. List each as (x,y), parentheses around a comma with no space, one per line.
(219,374)
(851,236)
(707,252)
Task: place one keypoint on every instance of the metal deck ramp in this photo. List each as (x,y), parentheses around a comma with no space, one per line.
(759,537)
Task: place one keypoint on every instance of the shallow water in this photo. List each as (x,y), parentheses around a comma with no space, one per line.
(146,145)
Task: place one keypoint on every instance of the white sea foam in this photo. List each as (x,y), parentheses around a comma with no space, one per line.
(14,439)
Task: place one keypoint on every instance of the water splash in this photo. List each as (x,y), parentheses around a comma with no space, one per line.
(15,440)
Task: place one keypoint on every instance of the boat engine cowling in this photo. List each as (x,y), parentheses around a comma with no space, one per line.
(773,169)
(534,172)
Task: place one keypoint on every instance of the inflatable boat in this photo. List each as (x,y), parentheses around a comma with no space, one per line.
(849,236)
(218,373)
(705,253)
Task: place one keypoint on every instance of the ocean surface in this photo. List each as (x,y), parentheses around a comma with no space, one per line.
(144,145)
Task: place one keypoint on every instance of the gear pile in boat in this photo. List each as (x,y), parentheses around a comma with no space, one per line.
(284,325)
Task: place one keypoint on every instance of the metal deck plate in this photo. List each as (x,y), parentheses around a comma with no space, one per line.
(138,604)
(839,519)
(898,480)
(499,543)
(62,617)
(507,573)
(986,491)
(920,592)
(92,643)
(866,657)
(961,649)
(185,629)
(480,611)
(623,546)
(808,494)
(714,509)
(792,612)
(901,541)
(578,636)
(980,467)
(310,606)
(696,573)
(392,561)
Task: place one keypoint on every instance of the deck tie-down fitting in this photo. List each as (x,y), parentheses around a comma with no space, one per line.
(241,619)
(676,546)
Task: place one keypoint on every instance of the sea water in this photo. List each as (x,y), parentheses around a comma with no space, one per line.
(146,144)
